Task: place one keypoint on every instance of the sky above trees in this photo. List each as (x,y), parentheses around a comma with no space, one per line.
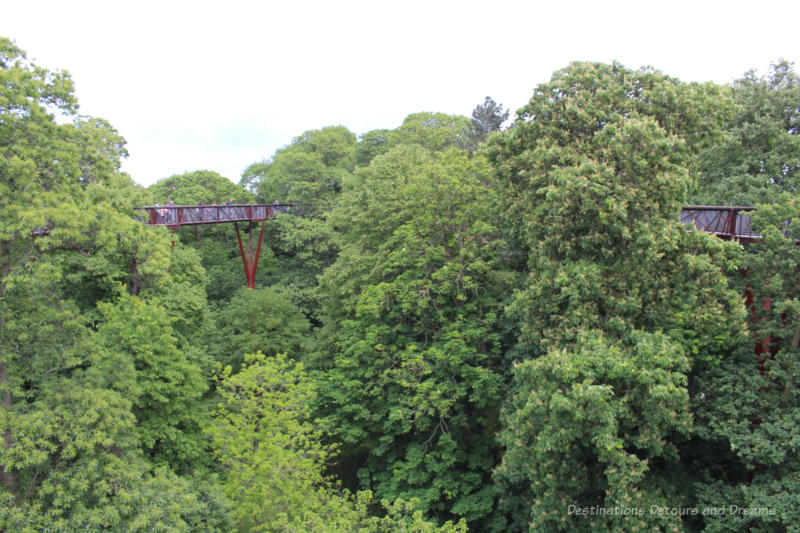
(219,86)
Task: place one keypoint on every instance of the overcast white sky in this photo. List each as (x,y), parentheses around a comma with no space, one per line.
(220,85)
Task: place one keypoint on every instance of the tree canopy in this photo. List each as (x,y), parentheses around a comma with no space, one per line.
(468,327)
(758,157)
(620,301)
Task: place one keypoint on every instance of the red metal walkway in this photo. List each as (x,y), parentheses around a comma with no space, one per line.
(175,216)
(727,222)
(723,221)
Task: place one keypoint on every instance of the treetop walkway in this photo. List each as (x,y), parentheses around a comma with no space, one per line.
(727,222)
(175,216)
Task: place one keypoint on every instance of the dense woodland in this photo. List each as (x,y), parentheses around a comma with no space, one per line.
(478,325)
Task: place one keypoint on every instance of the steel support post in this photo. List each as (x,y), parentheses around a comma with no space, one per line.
(250,260)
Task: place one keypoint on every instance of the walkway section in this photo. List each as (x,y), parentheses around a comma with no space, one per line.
(728,222)
(174,216)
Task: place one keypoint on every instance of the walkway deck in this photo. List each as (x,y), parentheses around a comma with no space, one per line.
(728,222)
(175,216)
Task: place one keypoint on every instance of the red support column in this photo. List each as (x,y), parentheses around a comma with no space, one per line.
(764,346)
(250,261)
(241,250)
(258,251)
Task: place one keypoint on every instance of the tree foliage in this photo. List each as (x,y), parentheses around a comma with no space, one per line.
(750,403)
(416,367)
(433,131)
(487,117)
(145,363)
(79,424)
(272,451)
(259,320)
(760,154)
(482,330)
(620,299)
(275,457)
(310,170)
(199,187)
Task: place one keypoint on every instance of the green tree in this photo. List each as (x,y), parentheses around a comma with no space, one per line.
(260,320)
(71,456)
(144,363)
(273,451)
(263,432)
(435,131)
(619,301)
(310,170)
(406,517)
(373,143)
(760,155)
(748,406)
(40,178)
(487,118)
(300,247)
(73,448)
(413,379)
(201,186)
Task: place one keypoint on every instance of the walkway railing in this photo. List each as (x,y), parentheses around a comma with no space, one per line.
(728,222)
(174,216)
